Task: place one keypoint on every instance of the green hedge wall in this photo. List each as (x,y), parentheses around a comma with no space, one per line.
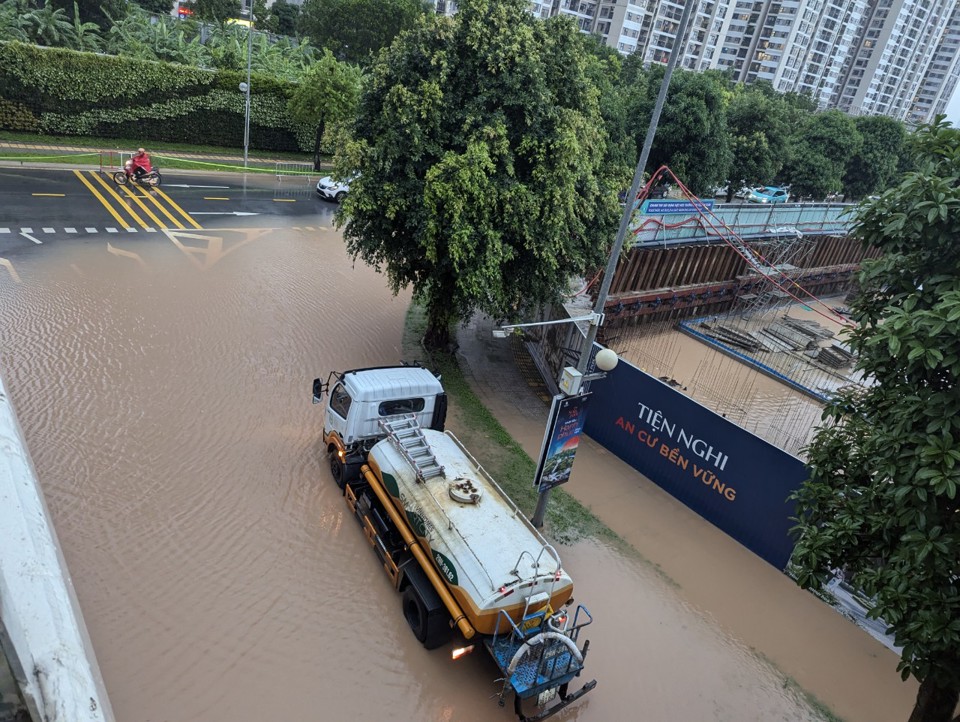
(56,91)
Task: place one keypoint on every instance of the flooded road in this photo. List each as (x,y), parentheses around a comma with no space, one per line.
(163,386)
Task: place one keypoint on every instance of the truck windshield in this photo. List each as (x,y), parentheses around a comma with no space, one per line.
(340,401)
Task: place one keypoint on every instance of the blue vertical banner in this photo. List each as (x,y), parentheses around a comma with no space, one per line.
(568,415)
(730,477)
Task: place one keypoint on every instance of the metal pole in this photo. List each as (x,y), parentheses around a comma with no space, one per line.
(246,122)
(675,53)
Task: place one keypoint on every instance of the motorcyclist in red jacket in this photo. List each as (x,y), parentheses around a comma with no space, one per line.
(139,164)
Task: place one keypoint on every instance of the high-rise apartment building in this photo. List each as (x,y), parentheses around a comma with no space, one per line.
(899,58)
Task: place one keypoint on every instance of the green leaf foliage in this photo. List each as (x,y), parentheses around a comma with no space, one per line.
(883,502)
(820,154)
(481,149)
(873,167)
(355,30)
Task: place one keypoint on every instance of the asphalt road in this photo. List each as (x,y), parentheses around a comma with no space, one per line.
(55,205)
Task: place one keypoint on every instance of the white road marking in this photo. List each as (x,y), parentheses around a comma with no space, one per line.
(130,230)
(90,230)
(70,230)
(222,213)
(181,185)
(48,230)
(4,230)
(26,230)
(148,229)
(35,240)
(111,230)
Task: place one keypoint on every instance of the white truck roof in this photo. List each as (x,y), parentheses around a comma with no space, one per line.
(391,383)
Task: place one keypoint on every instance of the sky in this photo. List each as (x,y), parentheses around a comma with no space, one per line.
(953,108)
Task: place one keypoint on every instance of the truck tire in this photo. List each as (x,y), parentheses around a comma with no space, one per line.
(337,470)
(431,630)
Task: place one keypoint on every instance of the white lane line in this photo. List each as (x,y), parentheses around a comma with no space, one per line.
(111,230)
(70,230)
(148,229)
(4,230)
(130,230)
(28,236)
(90,230)
(48,230)
(26,230)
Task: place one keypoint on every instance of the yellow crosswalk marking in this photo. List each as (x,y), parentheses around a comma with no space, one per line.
(163,209)
(182,212)
(116,196)
(99,197)
(132,193)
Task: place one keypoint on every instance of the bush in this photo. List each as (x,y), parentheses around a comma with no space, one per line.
(63,92)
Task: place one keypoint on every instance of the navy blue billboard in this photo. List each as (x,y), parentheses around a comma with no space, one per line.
(733,479)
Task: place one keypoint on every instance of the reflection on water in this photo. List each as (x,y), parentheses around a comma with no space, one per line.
(163,388)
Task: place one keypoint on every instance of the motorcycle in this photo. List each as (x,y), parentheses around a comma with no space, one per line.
(123,177)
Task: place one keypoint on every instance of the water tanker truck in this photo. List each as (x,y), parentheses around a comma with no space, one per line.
(465,560)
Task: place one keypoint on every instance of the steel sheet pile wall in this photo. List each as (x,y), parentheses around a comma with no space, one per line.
(733,479)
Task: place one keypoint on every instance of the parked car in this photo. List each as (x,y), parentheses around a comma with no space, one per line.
(768,194)
(331,190)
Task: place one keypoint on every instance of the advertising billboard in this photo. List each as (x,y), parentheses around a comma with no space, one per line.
(564,427)
(735,480)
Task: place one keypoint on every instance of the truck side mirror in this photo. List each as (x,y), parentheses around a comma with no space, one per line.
(318,389)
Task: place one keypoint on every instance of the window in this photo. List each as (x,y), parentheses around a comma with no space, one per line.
(400,406)
(340,401)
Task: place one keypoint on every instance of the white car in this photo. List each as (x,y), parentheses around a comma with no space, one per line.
(331,190)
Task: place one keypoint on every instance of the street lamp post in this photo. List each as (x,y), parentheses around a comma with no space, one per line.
(246,121)
(596,318)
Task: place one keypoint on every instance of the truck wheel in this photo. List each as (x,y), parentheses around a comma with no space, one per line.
(336,469)
(415,613)
(431,628)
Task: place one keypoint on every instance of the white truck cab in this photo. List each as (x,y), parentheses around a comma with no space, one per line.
(359,399)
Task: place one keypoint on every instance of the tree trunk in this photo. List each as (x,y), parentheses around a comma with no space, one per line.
(437,336)
(316,147)
(934,703)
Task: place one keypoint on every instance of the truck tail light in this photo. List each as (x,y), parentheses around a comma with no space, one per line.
(461,651)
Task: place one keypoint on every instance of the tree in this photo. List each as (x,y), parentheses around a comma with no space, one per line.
(757,120)
(216,10)
(882,502)
(328,93)
(820,153)
(49,25)
(285,17)
(480,145)
(356,29)
(157,7)
(85,36)
(692,136)
(874,166)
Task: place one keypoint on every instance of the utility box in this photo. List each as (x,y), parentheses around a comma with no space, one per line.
(570,381)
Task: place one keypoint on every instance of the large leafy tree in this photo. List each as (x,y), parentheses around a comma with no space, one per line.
(481,149)
(820,154)
(758,123)
(328,93)
(692,137)
(216,10)
(883,502)
(874,166)
(354,30)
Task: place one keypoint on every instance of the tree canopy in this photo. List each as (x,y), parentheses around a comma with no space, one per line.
(481,149)
(874,166)
(354,30)
(882,502)
(820,154)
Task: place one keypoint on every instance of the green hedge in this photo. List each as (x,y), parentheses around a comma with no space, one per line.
(63,92)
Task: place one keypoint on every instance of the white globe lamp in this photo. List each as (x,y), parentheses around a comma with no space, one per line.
(607,360)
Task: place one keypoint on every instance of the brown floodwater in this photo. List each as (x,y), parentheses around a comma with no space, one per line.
(166,404)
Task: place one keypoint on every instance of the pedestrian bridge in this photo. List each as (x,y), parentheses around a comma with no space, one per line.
(675,222)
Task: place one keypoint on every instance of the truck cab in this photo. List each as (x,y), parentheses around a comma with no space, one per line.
(357,401)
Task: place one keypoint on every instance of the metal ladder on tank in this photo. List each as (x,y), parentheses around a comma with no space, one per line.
(406,434)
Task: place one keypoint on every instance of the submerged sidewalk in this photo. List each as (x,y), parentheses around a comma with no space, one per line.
(808,641)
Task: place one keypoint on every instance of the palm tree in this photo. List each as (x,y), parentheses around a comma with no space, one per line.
(49,25)
(13,22)
(86,36)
